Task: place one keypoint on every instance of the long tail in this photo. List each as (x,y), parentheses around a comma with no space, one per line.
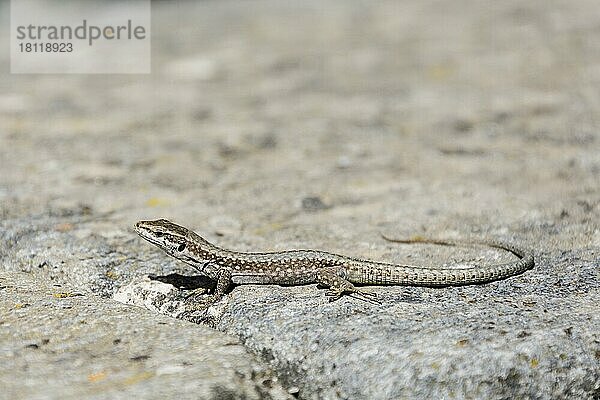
(388,274)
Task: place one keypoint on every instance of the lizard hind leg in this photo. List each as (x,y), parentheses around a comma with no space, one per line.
(335,279)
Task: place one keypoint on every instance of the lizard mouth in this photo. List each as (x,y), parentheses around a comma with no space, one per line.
(145,234)
(149,238)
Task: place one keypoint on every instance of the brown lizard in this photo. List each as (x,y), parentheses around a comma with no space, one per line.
(298,267)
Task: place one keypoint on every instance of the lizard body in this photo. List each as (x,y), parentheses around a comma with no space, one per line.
(299,267)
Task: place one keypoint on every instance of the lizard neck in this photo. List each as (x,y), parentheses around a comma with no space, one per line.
(203,250)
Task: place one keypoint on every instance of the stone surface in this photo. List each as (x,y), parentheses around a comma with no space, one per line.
(269,125)
(57,343)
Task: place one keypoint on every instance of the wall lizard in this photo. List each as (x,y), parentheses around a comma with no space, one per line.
(298,267)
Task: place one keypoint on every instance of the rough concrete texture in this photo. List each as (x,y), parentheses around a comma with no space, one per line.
(57,343)
(269,125)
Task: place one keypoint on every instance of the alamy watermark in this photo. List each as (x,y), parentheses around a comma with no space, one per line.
(68,36)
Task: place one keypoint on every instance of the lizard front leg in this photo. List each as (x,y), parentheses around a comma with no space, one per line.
(336,279)
(223,282)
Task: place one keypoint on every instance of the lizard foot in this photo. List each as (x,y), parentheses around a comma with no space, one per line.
(335,278)
(369,297)
(196,295)
(358,294)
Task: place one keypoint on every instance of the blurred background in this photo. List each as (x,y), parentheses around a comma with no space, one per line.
(263,112)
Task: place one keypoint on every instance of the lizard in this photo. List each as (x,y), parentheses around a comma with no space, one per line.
(336,272)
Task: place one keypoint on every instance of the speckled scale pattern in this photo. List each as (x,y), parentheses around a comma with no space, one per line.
(297,267)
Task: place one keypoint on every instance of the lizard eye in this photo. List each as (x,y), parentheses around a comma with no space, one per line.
(181,247)
(158,234)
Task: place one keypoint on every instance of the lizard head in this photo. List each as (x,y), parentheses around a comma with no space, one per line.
(163,233)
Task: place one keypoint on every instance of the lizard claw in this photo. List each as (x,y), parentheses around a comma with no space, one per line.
(333,295)
(369,297)
(195,295)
